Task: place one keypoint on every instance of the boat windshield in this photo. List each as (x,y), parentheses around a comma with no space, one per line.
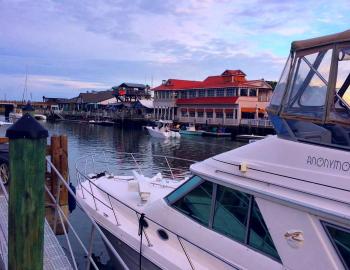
(311,102)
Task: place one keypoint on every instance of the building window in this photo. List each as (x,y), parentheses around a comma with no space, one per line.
(167,94)
(234,214)
(211,93)
(219,115)
(184,113)
(252,92)
(183,94)
(209,114)
(231,92)
(340,238)
(201,93)
(192,114)
(220,92)
(196,204)
(244,92)
(200,114)
(192,93)
(229,115)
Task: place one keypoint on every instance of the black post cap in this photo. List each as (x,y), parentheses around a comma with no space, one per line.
(26,128)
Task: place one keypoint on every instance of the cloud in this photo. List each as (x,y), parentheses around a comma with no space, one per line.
(105,42)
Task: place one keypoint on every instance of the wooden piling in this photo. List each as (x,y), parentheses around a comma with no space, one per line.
(26,197)
(59,157)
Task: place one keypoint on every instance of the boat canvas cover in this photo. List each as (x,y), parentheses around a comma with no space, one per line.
(320,41)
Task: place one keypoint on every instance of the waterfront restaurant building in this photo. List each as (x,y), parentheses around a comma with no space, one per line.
(218,100)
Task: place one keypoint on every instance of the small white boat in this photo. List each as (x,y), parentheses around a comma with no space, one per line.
(2,123)
(191,131)
(162,130)
(14,116)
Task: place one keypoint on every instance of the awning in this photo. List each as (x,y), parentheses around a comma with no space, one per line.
(209,110)
(191,109)
(248,110)
(148,103)
(253,110)
(200,110)
(184,109)
(219,110)
(228,110)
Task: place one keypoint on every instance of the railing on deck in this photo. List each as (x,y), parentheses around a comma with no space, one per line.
(82,177)
(60,215)
(256,122)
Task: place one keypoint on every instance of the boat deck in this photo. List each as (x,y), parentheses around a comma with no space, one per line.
(54,256)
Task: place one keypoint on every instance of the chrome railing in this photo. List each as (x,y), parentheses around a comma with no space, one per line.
(73,237)
(122,163)
(59,214)
(102,198)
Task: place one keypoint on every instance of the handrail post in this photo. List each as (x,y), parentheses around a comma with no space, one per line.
(26,204)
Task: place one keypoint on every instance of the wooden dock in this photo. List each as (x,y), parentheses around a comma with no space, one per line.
(54,256)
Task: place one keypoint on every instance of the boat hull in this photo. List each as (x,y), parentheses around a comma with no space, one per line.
(191,133)
(216,134)
(128,254)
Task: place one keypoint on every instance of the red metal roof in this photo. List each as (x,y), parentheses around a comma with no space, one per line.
(229,78)
(207,100)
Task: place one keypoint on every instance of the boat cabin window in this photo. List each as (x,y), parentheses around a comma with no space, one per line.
(230,212)
(340,109)
(308,92)
(340,238)
(196,202)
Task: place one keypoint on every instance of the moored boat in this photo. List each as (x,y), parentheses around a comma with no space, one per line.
(162,130)
(191,131)
(247,137)
(282,202)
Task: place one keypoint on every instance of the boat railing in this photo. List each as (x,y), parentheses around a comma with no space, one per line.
(73,241)
(101,198)
(122,163)
(61,216)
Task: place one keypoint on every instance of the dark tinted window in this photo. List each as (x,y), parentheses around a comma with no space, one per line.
(197,203)
(231,213)
(259,236)
(340,238)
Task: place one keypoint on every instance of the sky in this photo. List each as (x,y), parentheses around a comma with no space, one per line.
(70,46)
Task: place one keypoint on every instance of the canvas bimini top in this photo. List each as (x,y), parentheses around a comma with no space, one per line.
(311,102)
(320,41)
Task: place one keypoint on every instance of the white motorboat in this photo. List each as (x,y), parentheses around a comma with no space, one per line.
(162,130)
(15,115)
(282,202)
(2,123)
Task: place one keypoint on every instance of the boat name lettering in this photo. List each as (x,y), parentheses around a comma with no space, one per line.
(328,163)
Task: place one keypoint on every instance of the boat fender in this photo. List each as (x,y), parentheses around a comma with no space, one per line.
(72,203)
